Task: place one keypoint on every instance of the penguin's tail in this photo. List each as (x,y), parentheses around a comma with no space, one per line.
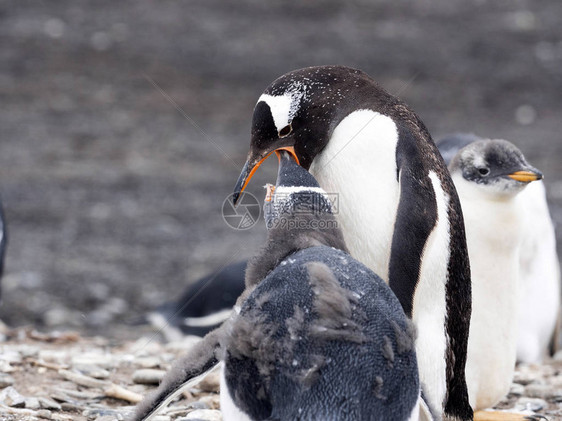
(186,372)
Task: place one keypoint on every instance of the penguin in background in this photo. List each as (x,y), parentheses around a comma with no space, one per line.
(398,208)
(491,176)
(204,305)
(539,267)
(316,334)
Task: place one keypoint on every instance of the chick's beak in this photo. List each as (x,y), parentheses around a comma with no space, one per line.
(250,168)
(526,176)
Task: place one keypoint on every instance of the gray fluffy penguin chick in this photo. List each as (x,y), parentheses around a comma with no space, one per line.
(316,335)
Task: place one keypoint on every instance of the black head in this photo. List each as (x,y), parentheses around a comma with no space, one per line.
(299,111)
(496,165)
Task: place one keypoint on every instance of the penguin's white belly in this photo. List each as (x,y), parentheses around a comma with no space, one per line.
(358,167)
(539,301)
(493,238)
(230,412)
(429,307)
(493,336)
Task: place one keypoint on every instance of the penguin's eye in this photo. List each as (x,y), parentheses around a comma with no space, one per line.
(286,131)
(484,171)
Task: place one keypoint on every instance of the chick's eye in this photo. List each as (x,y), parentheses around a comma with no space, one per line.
(484,171)
(285,131)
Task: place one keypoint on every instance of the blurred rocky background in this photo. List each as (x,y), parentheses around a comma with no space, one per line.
(124,125)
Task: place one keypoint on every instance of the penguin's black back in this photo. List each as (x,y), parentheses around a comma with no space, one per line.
(209,295)
(322,337)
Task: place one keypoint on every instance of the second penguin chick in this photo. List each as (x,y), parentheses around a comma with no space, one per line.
(539,267)
(489,175)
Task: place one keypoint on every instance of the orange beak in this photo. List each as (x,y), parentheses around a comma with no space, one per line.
(250,168)
(526,176)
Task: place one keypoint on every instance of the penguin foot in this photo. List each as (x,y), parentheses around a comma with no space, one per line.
(505,416)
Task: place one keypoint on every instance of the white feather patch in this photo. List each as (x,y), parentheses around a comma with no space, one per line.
(359,165)
(284,107)
(209,320)
(429,302)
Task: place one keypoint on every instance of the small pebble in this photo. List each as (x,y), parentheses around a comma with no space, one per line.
(10,356)
(45,414)
(516,389)
(148,362)
(92,371)
(203,414)
(10,397)
(530,404)
(106,418)
(146,346)
(199,405)
(176,410)
(212,401)
(161,418)
(32,403)
(148,376)
(60,396)
(93,414)
(535,390)
(542,391)
(47,403)
(6,380)
(69,406)
(28,351)
(525,375)
(211,382)
(52,356)
(91,358)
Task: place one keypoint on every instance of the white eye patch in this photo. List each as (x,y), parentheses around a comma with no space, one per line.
(284,107)
(280,107)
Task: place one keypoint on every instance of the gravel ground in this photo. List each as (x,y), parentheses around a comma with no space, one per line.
(63,376)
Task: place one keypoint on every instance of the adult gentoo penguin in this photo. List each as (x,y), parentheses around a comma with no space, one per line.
(539,268)
(317,335)
(398,208)
(490,175)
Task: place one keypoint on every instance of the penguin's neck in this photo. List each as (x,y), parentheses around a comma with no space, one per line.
(359,166)
(492,221)
(314,229)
